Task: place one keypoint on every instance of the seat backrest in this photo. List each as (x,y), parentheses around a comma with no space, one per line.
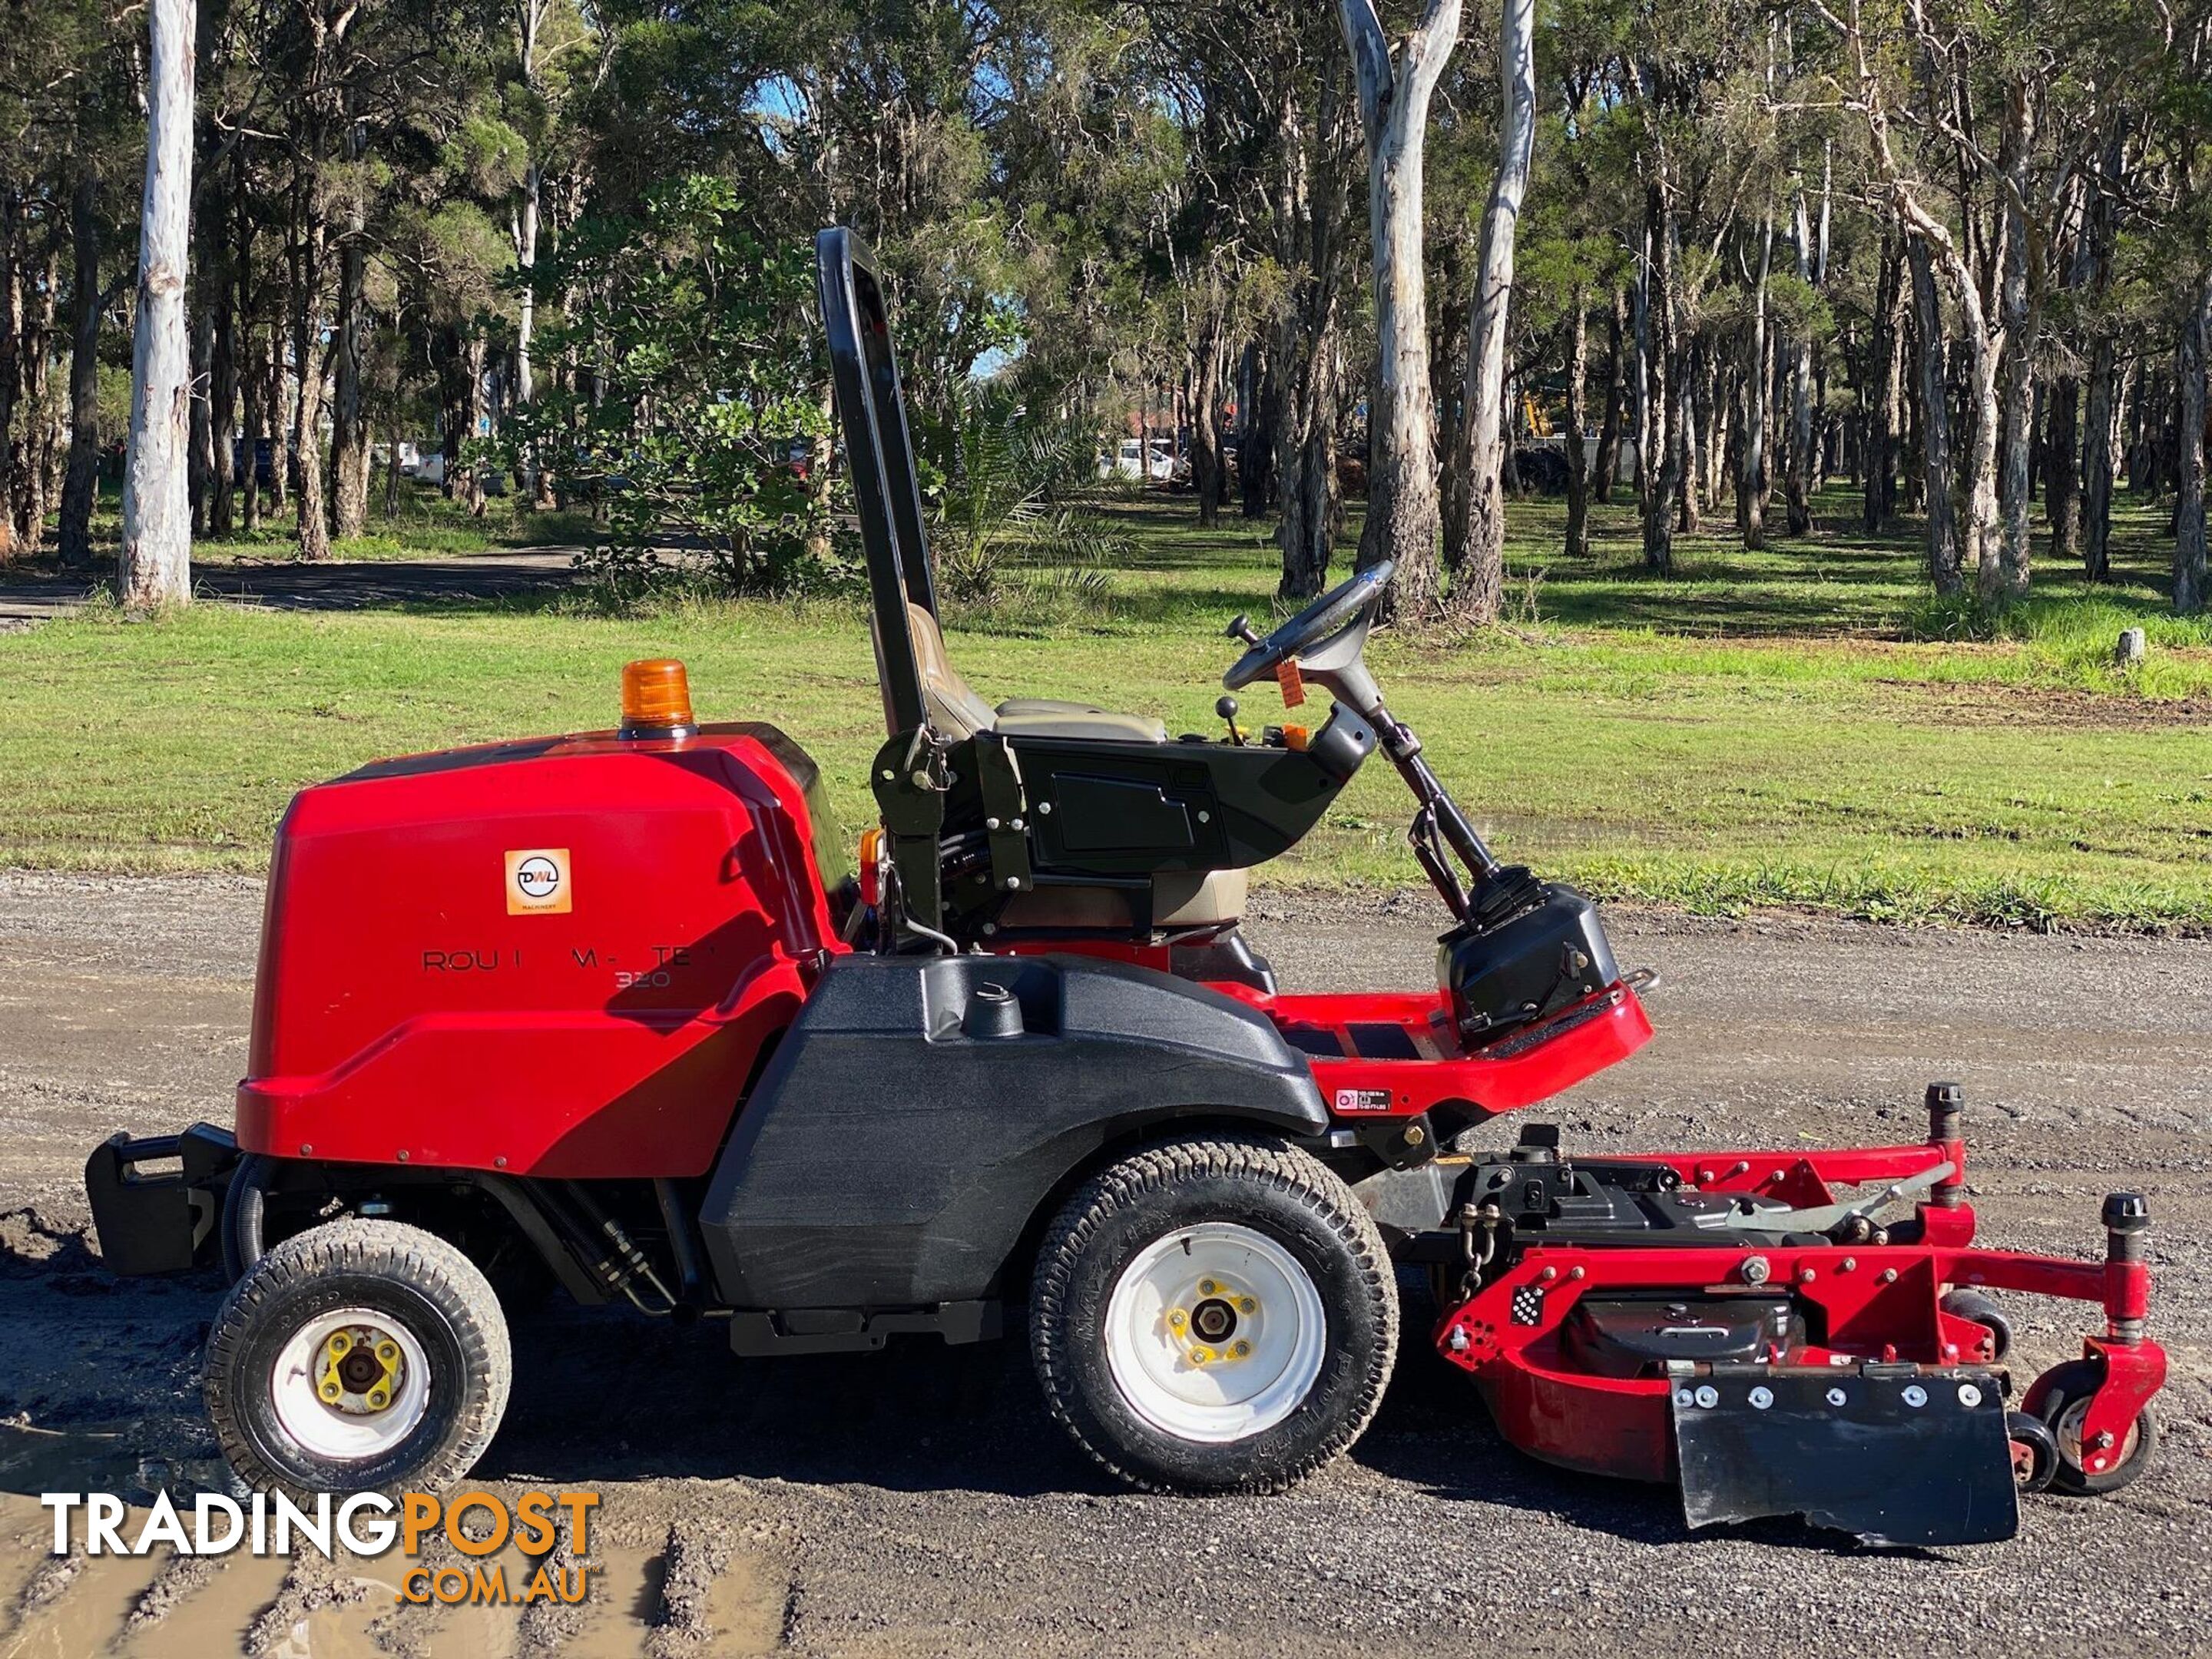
(955,709)
(880,465)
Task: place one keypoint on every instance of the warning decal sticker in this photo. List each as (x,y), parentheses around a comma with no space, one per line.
(538,882)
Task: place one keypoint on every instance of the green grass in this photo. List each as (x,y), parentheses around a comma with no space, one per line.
(427,526)
(1799,728)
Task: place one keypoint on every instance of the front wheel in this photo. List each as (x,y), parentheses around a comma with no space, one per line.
(1213,1315)
(357,1355)
(2064,1406)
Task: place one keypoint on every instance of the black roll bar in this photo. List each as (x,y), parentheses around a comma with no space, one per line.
(879,460)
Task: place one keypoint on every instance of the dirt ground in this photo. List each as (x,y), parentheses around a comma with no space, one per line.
(920,1502)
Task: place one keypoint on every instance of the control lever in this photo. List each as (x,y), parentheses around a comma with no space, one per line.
(1240,627)
(1226,708)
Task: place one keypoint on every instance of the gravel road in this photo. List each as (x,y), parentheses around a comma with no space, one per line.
(920,1502)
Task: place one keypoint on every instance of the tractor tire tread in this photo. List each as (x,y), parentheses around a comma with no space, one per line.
(1291,1173)
(378,1248)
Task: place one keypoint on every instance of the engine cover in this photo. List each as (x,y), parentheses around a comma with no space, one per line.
(560,956)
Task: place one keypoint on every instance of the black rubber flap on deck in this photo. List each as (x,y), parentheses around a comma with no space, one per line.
(1898,1459)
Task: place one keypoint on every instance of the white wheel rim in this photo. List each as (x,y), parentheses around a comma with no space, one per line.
(355,1426)
(1178,1365)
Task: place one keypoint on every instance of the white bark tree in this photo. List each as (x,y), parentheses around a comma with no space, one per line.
(1475,548)
(157,519)
(1394,89)
(529,21)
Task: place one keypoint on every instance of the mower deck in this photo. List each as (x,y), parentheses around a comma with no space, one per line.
(1738,1323)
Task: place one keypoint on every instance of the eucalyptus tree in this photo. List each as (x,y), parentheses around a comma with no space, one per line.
(1395,83)
(1474,527)
(155,568)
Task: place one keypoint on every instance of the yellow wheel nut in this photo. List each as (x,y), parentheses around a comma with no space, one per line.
(1246,1305)
(378,1400)
(331,1391)
(387,1351)
(1199,1356)
(340,1343)
(1206,1287)
(1178,1318)
(1243,1348)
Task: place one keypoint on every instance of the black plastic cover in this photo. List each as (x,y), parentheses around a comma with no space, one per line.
(1535,964)
(892,1157)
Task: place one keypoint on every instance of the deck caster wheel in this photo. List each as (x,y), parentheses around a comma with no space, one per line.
(2034,1451)
(357,1356)
(1214,1315)
(1973,1304)
(2064,1408)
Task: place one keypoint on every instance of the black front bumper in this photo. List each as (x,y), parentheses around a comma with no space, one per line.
(159,1220)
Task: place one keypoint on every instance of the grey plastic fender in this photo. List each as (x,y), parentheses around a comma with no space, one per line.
(920,1110)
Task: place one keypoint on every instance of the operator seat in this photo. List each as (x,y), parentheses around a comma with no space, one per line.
(1180,899)
(958,712)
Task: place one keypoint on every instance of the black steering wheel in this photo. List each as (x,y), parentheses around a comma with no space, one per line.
(1319,621)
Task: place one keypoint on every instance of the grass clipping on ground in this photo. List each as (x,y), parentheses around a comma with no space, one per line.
(1708,742)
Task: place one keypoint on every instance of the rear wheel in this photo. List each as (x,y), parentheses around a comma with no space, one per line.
(1213,1315)
(357,1355)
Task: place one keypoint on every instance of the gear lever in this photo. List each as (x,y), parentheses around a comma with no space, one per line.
(1226,708)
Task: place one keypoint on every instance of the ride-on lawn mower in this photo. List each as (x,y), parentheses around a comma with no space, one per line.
(617,1010)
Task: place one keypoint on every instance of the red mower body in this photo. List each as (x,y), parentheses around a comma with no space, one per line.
(559,957)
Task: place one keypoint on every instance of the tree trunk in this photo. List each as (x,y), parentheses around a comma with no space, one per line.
(253,421)
(1752,482)
(2097,464)
(2189,551)
(350,444)
(1258,397)
(1663,457)
(11,346)
(1577,540)
(201,481)
(1306,461)
(82,489)
(1944,558)
(1616,389)
(1797,483)
(283,398)
(2062,468)
(1206,421)
(156,565)
(2019,313)
(472,484)
(1886,348)
(392,476)
(311,520)
(36,287)
(1475,547)
(1689,424)
(222,402)
(1401,439)
(1402,452)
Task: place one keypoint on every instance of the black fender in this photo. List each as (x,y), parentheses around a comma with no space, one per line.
(920,1110)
